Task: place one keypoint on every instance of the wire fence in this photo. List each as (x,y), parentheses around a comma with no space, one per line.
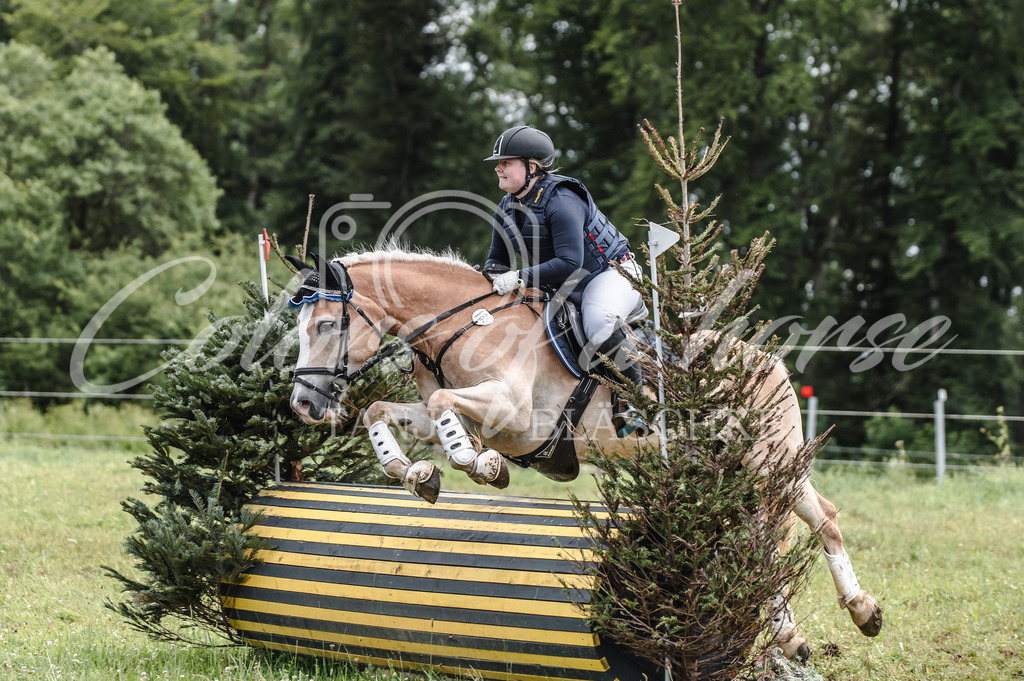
(830,454)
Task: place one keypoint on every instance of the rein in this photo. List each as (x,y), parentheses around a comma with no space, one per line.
(340,368)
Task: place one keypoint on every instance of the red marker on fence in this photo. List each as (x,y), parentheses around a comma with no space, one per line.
(811,424)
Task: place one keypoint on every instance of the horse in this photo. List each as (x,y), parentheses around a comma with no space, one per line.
(494,390)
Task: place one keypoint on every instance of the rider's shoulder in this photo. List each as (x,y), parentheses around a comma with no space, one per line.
(563,187)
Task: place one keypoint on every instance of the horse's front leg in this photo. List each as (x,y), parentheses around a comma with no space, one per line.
(421,478)
(492,404)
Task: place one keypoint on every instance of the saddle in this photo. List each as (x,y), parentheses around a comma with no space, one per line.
(556,457)
(563,324)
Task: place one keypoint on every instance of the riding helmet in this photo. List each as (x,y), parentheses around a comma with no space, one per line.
(524,142)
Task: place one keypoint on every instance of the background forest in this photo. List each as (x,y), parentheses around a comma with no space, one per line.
(880,144)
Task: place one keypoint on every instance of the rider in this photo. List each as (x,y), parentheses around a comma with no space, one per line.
(567,244)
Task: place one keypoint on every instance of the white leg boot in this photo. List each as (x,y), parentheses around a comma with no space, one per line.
(388,451)
(847,587)
(486,467)
(421,478)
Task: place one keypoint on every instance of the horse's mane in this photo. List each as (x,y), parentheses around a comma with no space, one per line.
(395,251)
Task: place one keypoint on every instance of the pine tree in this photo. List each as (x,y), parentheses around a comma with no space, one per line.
(226,426)
(687,562)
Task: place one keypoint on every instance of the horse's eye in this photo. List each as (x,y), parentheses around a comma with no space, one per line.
(324,326)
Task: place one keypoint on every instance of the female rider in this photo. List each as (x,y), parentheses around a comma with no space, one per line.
(567,245)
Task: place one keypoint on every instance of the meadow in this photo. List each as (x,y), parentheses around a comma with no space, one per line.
(946,562)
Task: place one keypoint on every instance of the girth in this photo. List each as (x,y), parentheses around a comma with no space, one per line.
(556,457)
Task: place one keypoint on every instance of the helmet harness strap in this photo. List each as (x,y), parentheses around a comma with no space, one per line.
(530,174)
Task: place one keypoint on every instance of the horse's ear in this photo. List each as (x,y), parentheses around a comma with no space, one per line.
(298,264)
(333,276)
(323,267)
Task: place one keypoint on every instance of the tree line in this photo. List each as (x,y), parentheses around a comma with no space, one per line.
(880,145)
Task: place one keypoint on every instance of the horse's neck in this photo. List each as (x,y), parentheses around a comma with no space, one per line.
(411,294)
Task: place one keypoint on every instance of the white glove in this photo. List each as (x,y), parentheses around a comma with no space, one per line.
(507,282)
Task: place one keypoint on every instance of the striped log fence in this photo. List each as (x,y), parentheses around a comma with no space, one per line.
(475,585)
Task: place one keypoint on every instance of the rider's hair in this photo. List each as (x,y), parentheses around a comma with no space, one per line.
(540,164)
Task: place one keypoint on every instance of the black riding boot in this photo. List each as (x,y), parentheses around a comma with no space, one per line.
(625,419)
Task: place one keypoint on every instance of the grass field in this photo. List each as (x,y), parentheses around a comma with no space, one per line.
(946,563)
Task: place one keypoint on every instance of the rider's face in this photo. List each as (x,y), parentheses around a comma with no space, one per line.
(511,174)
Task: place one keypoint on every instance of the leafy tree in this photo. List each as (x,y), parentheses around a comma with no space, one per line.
(33,258)
(215,65)
(903,218)
(377,111)
(128,295)
(102,145)
(88,163)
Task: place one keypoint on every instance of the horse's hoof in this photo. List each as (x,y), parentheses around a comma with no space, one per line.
(865,609)
(424,480)
(429,490)
(797,649)
(490,469)
(874,624)
(501,482)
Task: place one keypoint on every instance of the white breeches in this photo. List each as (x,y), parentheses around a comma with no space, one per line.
(608,297)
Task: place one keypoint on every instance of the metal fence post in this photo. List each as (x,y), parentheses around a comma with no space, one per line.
(811,427)
(940,435)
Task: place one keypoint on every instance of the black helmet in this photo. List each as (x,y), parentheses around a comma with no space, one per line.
(524,142)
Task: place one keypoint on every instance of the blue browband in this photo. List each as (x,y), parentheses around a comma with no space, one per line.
(335,296)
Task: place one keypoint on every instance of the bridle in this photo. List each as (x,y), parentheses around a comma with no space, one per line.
(340,370)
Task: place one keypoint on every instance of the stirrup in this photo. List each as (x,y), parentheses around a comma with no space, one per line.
(628,423)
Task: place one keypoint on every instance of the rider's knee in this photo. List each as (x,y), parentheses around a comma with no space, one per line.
(599,325)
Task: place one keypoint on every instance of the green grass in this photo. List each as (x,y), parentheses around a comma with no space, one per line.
(946,563)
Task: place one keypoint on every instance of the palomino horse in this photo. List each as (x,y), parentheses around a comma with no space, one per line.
(492,386)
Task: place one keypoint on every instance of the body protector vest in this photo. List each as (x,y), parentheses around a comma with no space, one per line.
(530,235)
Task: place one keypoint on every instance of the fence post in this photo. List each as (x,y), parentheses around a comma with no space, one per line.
(811,424)
(264,243)
(940,435)
(811,427)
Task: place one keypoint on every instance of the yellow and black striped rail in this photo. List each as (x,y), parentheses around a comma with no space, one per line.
(477,585)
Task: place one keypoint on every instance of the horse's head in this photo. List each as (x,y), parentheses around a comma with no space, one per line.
(336,337)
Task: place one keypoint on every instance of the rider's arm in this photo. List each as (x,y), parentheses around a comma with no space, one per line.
(565,215)
(500,255)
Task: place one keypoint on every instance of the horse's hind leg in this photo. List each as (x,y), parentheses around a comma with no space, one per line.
(783,627)
(819,513)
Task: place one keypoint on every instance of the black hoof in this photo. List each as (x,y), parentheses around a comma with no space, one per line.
(429,489)
(803,653)
(503,478)
(873,625)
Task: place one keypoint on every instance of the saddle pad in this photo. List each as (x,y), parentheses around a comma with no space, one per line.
(561,335)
